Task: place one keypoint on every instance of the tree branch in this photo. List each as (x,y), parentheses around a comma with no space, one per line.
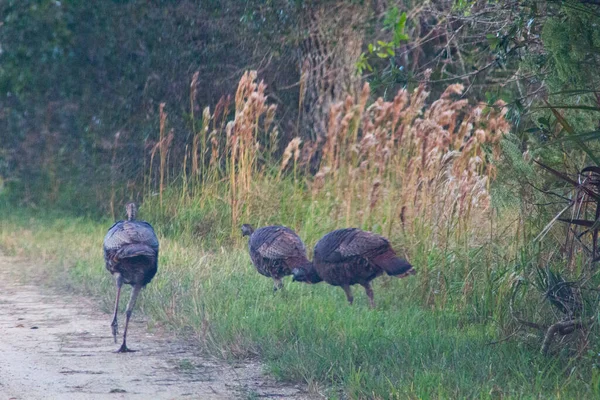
(563,327)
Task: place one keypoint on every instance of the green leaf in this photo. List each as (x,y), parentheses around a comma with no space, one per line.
(574,92)
(492,40)
(567,179)
(391,17)
(592,168)
(567,127)
(399,34)
(585,137)
(401,37)
(401,22)
(382,55)
(580,222)
(567,107)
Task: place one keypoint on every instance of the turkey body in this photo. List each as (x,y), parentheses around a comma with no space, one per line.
(347,257)
(275,251)
(131,256)
(131,250)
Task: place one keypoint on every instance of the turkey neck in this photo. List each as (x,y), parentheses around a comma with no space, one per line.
(131,212)
(311,273)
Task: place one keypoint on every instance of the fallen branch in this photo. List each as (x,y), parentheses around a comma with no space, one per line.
(530,324)
(503,339)
(562,327)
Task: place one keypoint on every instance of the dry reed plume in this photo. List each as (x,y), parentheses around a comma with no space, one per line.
(392,163)
(243,140)
(162,146)
(402,161)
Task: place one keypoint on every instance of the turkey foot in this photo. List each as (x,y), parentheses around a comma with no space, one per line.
(125,349)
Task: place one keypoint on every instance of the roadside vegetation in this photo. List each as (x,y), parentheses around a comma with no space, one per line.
(428,337)
(490,187)
(445,332)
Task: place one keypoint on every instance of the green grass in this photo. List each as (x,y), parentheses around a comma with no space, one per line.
(406,348)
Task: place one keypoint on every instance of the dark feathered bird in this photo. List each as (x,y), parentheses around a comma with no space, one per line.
(131,256)
(351,256)
(275,251)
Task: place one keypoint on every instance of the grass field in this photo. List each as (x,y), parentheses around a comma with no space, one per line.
(411,346)
(419,173)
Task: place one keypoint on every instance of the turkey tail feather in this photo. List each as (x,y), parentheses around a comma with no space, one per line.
(393,265)
(135,250)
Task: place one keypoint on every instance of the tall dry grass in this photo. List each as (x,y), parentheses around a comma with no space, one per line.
(415,170)
(392,166)
(162,146)
(403,161)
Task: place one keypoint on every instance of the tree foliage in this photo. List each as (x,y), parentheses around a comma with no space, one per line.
(74,74)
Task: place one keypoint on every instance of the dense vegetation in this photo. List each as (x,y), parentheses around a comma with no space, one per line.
(464,131)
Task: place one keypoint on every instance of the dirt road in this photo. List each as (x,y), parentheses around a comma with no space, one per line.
(59,347)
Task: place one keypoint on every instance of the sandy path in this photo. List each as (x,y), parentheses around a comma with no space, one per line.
(60,347)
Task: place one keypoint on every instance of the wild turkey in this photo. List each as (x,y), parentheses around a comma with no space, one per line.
(349,256)
(131,256)
(275,251)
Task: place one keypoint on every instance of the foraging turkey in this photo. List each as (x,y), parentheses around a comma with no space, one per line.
(131,256)
(275,251)
(349,256)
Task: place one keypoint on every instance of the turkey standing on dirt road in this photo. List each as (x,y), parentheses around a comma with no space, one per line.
(275,251)
(349,256)
(131,256)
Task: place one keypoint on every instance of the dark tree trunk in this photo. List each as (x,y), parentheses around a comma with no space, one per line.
(329,50)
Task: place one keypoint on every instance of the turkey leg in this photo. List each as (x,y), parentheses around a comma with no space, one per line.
(369,291)
(114,324)
(348,292)
(278,284)
(128,312)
